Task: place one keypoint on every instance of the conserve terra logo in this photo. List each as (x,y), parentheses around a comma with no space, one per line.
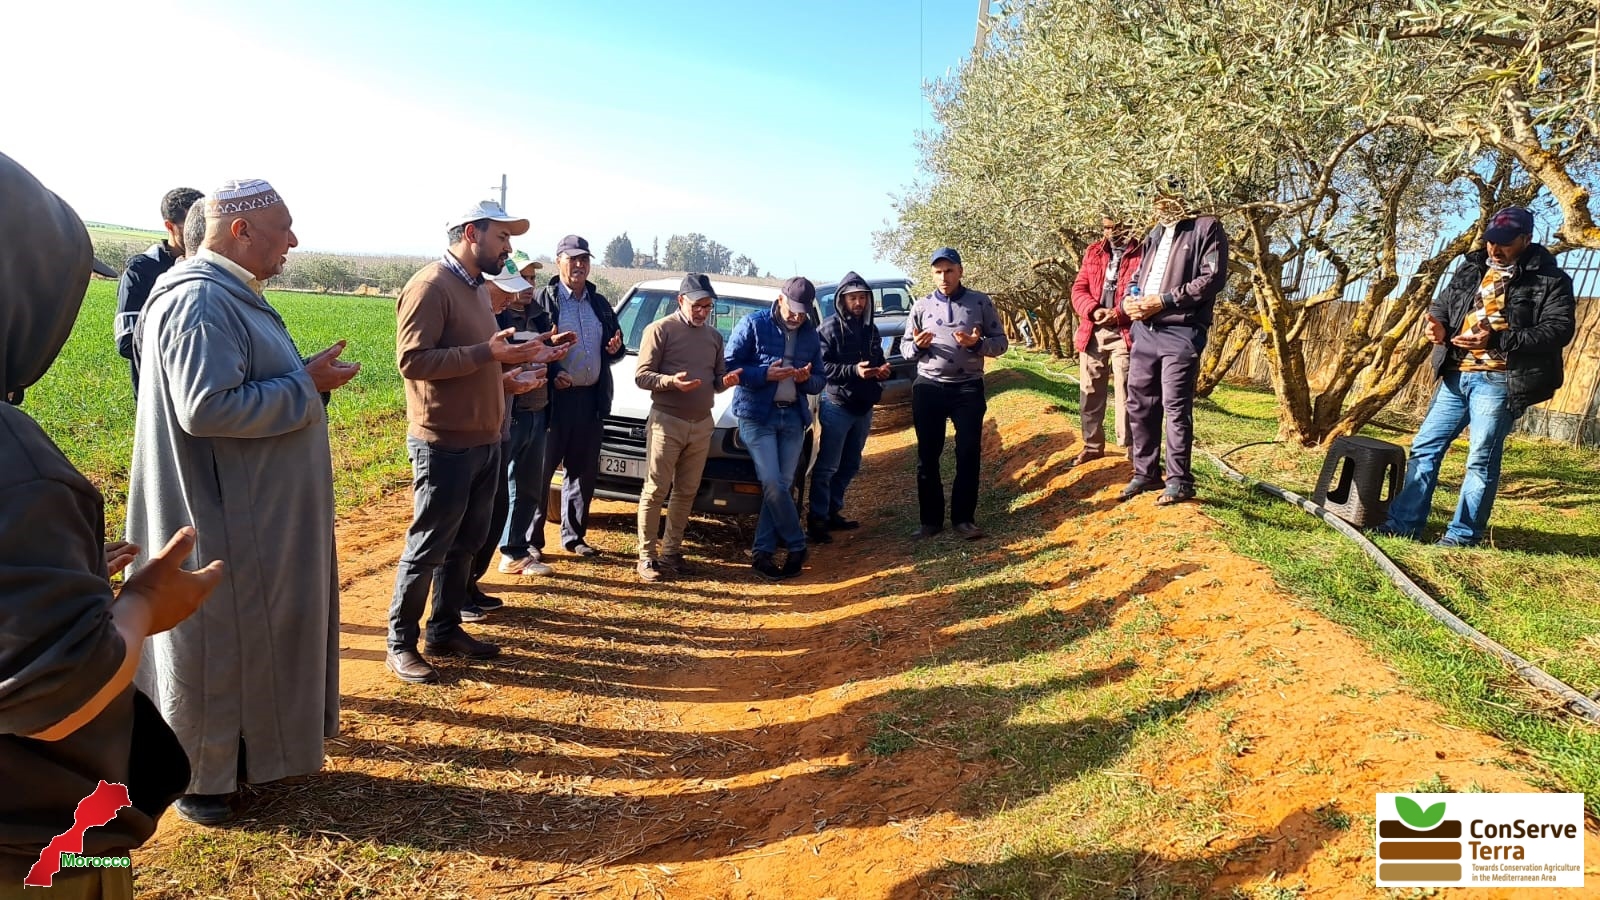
(1446,840)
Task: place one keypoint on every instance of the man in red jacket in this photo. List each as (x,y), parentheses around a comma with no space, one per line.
(1102,339)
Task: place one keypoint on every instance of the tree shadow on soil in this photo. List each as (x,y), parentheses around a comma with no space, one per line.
(516,808)
(1276,853)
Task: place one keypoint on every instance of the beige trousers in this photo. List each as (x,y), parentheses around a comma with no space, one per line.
(1106,355)
(675,456)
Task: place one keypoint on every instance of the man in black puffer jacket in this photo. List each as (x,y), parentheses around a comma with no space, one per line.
(1498,331)
(853,363)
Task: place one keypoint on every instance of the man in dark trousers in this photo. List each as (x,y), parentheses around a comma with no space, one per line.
(451,354)
(949,333)
(582,396)
(853,364)
(1498,330)
(530,416)
(142,271)
(1103,335)
(1184,266)
(70,717)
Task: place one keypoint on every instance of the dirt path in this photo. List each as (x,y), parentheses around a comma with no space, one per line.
(710,738)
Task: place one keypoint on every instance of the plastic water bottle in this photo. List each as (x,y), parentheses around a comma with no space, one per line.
(1132,293)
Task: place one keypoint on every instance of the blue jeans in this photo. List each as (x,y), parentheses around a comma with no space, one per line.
(844,434)
(775,449)
(524,468)
(1464,399)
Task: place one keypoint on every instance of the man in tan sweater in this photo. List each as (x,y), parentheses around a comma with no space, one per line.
(451,356)
(680,363)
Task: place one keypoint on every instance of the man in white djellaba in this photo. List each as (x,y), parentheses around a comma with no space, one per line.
(231,437)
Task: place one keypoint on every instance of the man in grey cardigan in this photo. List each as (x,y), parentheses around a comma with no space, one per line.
(231,436)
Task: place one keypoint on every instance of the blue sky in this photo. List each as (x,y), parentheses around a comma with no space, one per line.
(779,130)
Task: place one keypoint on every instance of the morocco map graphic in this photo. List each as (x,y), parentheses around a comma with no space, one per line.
(95,810)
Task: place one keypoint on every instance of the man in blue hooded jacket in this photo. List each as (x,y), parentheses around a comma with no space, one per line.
(854,366)
(779,357)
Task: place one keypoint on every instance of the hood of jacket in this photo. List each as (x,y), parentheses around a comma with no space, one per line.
(45,261)
(851,282)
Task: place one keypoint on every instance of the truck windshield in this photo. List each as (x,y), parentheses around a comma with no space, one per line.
(887,300)
(646,306)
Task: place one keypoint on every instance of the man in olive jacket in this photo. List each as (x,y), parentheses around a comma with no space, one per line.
(1498,330)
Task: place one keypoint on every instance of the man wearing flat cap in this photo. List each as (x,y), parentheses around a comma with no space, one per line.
(681,365)
(581,395)
(1498,330)
(778,356)
(231,437)
(950,333)
(452,356)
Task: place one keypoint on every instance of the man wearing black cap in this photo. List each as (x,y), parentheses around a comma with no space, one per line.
(949,333)
(582,396)
(1183,265)
(681,365)
(1498,330)
(778,356)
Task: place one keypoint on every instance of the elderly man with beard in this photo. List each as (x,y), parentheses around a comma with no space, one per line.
(451,356)
(1183,267)
(231,437)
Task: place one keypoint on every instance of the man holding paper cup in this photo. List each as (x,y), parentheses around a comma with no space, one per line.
(681,365)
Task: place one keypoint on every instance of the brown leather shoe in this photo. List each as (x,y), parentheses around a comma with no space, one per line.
(463,645)
(408,665)
(1088,456)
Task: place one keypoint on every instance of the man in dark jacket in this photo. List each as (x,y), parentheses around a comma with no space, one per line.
(854,366)
(70,717)
(530,418)
(581,398)
(779,359)
(141,272)
(1498,330)
(1184,266)
(1103,335)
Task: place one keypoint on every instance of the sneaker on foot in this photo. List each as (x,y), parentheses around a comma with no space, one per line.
(471,613)
(535,564)
(649,571)
(463,645)
(512,565)
(485,602)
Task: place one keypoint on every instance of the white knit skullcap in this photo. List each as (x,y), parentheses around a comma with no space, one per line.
(241,195)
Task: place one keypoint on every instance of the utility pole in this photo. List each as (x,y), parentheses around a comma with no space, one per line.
(985,22)
(502,190)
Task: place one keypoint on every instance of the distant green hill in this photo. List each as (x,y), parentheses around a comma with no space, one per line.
(99,231)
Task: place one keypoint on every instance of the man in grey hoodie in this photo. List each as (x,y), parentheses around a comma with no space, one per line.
(69,715)
(949,333)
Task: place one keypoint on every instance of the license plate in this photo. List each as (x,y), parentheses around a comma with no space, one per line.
(621,465)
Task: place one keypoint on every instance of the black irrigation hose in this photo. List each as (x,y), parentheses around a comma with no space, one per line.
(1574,701)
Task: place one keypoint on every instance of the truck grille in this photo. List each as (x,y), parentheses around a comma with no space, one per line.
(624,433)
